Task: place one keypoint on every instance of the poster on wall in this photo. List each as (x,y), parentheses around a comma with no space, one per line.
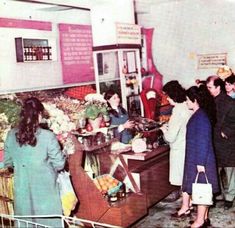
(76,53)
(211,60)
(128,33)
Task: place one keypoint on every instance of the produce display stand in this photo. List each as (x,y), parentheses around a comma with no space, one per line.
(146,172)
(93,205)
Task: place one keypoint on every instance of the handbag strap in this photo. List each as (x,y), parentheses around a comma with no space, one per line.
(198,175)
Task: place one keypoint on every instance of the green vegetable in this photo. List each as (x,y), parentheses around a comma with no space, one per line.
(94,109)
(11,110)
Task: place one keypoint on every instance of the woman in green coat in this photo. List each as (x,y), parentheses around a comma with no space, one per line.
(36,157)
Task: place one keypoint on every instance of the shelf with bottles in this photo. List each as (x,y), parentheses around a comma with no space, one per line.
(132,84)
(29,50)
(37,53)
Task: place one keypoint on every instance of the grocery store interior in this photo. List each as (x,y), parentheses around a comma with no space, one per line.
(61,52)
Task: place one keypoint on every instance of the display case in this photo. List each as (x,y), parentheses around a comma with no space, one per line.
(28,50)
(118,67)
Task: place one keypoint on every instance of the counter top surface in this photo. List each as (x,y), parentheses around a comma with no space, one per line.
(145,155)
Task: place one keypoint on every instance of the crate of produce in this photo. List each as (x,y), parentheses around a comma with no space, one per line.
(107,184)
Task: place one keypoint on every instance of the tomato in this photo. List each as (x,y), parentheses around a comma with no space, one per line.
(89,127)
(102,124)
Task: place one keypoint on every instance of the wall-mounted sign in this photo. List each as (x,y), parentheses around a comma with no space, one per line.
(76,53)
(211,60)
(25,24)
(128,33)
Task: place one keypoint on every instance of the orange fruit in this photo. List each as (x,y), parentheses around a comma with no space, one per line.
(101,181)
(115,181)
(104,187)
(114,185)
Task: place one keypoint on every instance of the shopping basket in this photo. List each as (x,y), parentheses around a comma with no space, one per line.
(12,221)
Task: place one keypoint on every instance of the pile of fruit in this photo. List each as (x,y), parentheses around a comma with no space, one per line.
(106,184)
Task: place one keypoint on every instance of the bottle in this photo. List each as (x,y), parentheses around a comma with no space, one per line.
(30,54)
(113,197)
(34,53)
(122,192)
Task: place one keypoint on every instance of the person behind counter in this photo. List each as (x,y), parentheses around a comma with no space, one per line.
(36,157)
(119,116)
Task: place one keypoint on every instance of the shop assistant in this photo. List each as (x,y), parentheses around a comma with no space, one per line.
(119,116)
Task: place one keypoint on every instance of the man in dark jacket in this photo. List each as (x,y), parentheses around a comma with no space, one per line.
(224,135)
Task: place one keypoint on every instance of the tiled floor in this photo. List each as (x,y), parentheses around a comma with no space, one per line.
(160,216)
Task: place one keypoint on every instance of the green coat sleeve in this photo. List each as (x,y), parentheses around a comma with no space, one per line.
(55,155)
(8,162)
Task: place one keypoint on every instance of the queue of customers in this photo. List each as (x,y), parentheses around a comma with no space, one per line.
(202,140)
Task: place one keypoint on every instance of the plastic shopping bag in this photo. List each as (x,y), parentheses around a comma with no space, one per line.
(67,194)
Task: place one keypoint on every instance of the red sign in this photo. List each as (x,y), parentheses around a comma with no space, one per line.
(76,53)
(25,24)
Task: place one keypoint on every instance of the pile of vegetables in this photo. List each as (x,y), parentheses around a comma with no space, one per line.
(9,116)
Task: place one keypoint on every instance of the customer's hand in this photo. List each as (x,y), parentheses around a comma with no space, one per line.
(129,124)
(164,128)
(223,135)
(201,168)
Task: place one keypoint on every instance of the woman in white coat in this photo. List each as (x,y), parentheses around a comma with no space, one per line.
(175,130)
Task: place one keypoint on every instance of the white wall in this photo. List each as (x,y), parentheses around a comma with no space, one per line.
(185,28)
(104,15)
(32,75)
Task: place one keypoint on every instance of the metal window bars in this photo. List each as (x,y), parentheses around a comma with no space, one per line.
(13,221)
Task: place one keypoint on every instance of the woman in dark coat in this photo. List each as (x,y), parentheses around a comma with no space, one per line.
(199,151)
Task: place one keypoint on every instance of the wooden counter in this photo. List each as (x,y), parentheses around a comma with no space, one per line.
(147,172)
(151,170)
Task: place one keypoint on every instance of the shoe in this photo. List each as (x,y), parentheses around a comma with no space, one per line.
(204,225)
(207,222)
(191,208)
(228,204)
(219,198)
(182,215)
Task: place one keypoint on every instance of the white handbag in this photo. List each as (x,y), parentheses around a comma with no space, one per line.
(202,192)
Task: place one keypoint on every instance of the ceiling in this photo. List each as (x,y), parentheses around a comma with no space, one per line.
(141,6)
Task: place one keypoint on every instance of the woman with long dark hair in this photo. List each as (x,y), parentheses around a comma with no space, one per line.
(35,155)
(199,157)
(119,116)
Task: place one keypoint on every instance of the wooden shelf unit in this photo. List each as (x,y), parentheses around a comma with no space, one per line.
(6,192)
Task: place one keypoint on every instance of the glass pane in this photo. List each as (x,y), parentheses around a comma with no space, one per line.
(108,68)
(113,85)
(35,42)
